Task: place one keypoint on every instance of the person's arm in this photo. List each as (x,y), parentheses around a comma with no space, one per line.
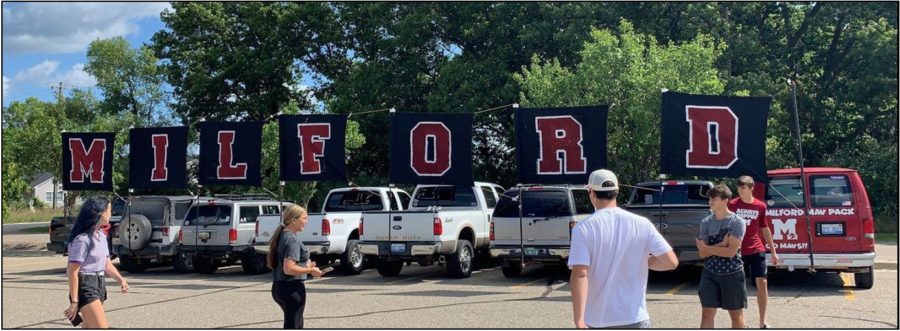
(578,283)
(703,238)
(291,268)
(77,254)
(662,257)
(114,273)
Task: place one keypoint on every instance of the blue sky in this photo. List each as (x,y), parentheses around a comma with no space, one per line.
(47,42)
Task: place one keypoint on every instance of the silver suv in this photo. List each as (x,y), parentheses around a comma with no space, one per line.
(221,232)
(148,231)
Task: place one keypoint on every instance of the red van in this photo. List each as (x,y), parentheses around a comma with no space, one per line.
(843,229)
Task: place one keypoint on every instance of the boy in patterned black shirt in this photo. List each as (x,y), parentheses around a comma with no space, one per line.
(722,283)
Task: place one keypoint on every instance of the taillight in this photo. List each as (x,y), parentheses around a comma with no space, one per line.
(438,228)
(360,226)
(180,236)
(232,236)
(326,227)
(571,226)
(492,231)
(165,230)
(869,228)
(256,230)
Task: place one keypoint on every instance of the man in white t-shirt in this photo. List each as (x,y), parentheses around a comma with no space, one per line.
(611,253)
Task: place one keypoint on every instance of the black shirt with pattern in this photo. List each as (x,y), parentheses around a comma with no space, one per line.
(713,231)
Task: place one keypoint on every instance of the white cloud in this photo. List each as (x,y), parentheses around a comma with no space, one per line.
(46,72)
(6,86)
(55,27)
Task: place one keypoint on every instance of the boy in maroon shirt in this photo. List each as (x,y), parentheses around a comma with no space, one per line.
(753,252)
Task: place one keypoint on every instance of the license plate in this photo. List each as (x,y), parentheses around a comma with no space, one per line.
(531,251)
(203,235)
(398,248)
(832,229)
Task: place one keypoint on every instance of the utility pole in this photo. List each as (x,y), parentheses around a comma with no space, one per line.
(59,101)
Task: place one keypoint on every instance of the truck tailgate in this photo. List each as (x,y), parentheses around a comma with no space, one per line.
(399,226)
(679,224)
(313,230)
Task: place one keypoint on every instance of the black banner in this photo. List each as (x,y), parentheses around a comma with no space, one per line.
(431,149)
(714,136)
(560,145)
(312,147)
(158,158)
(230,153)
(87,161)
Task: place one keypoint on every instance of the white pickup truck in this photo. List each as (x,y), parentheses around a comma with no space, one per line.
(333,234)
(444,224)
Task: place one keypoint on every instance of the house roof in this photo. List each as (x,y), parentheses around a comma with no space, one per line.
(40,179)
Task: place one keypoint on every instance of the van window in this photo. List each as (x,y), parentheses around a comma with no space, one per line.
(354,201)
(209,215)
(249,214)
(269,210)
(784,192)
(181,209)
(582,202)
(543,203)
(445,196)
(830,191)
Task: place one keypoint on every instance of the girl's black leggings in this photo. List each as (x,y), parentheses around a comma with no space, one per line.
(291,297)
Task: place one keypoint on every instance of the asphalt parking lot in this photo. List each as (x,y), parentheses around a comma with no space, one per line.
(35,295)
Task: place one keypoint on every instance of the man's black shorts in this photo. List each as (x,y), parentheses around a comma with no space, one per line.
(723,291)
(755,265)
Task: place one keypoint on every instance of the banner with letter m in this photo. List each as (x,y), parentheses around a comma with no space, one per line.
(87,161)
(714,136)
(560,145)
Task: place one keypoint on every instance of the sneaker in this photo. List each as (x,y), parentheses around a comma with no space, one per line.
(766,326)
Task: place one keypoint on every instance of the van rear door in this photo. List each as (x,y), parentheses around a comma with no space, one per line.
(834,213)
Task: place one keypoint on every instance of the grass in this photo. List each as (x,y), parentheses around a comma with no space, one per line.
(39,230)
(26,216)
(885,237)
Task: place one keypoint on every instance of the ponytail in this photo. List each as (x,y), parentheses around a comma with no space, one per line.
(288,216)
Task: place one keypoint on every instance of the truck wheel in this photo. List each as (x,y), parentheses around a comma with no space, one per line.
(460,263)
(205,265)
(352,259)
(389,268)
(254,264)
(513,270)
(183,263)
(134,265)
(865,280)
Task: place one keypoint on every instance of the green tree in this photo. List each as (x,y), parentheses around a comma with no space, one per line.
(129,78)
(626,72)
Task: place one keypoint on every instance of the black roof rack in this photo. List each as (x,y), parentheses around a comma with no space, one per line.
(244,197)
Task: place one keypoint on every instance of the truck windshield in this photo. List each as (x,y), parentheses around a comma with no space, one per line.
(445,196)
(354,201)
(673,195)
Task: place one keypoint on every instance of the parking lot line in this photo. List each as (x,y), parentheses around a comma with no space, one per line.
(678,288)
(516,287)
(848,284)
(39,263)
(411,278)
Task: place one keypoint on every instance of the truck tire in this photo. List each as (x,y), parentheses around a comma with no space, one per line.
(134,232)
(352,260)
(389,268)
(514,270)
(183,263)
(460,263)
(254,264)
(134,265)
(206,265)
(865,280)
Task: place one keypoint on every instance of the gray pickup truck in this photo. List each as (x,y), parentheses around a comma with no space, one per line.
(677,215)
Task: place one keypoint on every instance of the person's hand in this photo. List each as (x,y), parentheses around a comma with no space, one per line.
(700,243)
(580,325)
(71,311)
(774,258)
(310,264)
(316,272)
(125,286)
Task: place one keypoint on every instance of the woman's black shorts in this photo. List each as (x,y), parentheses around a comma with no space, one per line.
(91,287)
